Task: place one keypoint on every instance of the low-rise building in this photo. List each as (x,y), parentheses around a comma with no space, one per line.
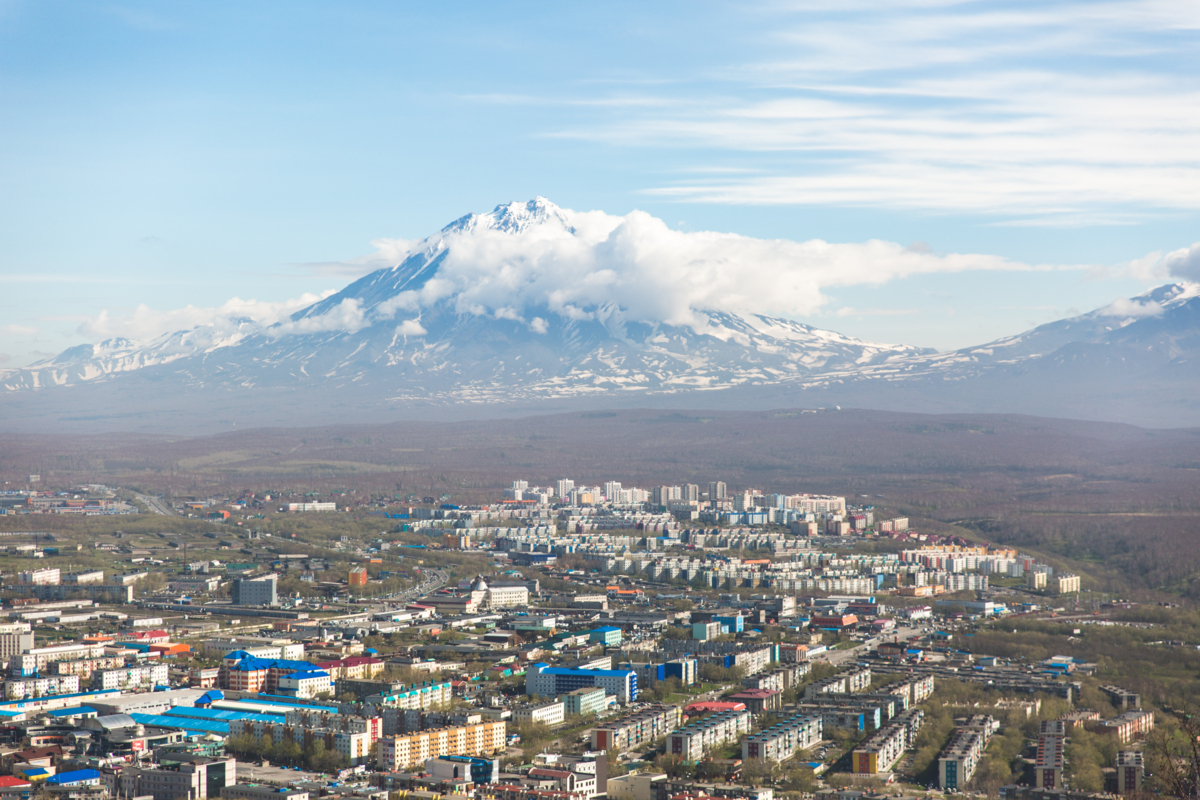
(403,751)
(143,677)
(640,727)
(553,713)
(695,739)
(585,700)
(784,739)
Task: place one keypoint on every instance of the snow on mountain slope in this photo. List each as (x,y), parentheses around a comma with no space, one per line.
(516,306)
(411,331)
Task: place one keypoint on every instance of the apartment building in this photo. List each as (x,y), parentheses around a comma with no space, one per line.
(35,660)
(353,667)
(1048,765)
(855,680)
(15,638)
(142,677)
(261,591)
(401,752)
(46,576)
(585,701)
(542,680)
(262,647)
(353,740)
(195,778)
(1130,771)
(880,751)
(1064,583)
(305,683)
(695,739)
(23,688)
(553,713)
(633,730)
(1126,727)
(784,739)
(1122,698)
(912,691)
(959,759)
(85,667)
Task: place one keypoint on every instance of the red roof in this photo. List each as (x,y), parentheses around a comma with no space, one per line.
(12,780)
(714,705)
(755,694)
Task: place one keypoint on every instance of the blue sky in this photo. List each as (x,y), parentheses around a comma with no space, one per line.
(168,155)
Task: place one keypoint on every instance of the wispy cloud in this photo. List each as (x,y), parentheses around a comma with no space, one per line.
(876,312)
(1062,113)
(388,253)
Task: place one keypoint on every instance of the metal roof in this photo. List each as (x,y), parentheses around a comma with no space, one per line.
(72,711)
(186,723)
(221,714)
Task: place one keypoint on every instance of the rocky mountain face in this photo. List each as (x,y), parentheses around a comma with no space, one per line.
(405,341)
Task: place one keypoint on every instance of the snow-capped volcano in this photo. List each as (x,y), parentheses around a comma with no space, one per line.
(532,303)
(514,303)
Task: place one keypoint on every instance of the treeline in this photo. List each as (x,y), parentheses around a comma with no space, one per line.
(315,756)
(1137,658)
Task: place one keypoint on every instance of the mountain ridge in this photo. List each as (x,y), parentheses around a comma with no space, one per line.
(408,339)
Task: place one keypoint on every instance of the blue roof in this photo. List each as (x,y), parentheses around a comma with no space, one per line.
(75,776)
(238,654)
(222,714)
(37,701)
(210,697)
(282,700)
(251,664)
(72,711)
(29,773)
(605,629)
(186,723)
(312,673)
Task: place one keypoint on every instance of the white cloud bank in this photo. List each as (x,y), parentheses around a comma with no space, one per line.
(144,324)
(537,264)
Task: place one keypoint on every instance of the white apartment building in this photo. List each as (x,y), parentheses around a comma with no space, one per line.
(258,647)
(308,507)
(35,659)
(22,688)
(546,713)
(306,684)
(46,576)
(143,677)
(15,638)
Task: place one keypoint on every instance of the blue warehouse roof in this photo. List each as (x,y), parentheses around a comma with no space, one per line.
(572,671)
(222,714)
(186,723)
(73,711)
(75,776)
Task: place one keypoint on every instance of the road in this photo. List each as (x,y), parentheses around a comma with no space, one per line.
(838,657)
(156,505)
(435,579)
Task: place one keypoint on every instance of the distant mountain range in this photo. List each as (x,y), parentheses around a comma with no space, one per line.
(397,344)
